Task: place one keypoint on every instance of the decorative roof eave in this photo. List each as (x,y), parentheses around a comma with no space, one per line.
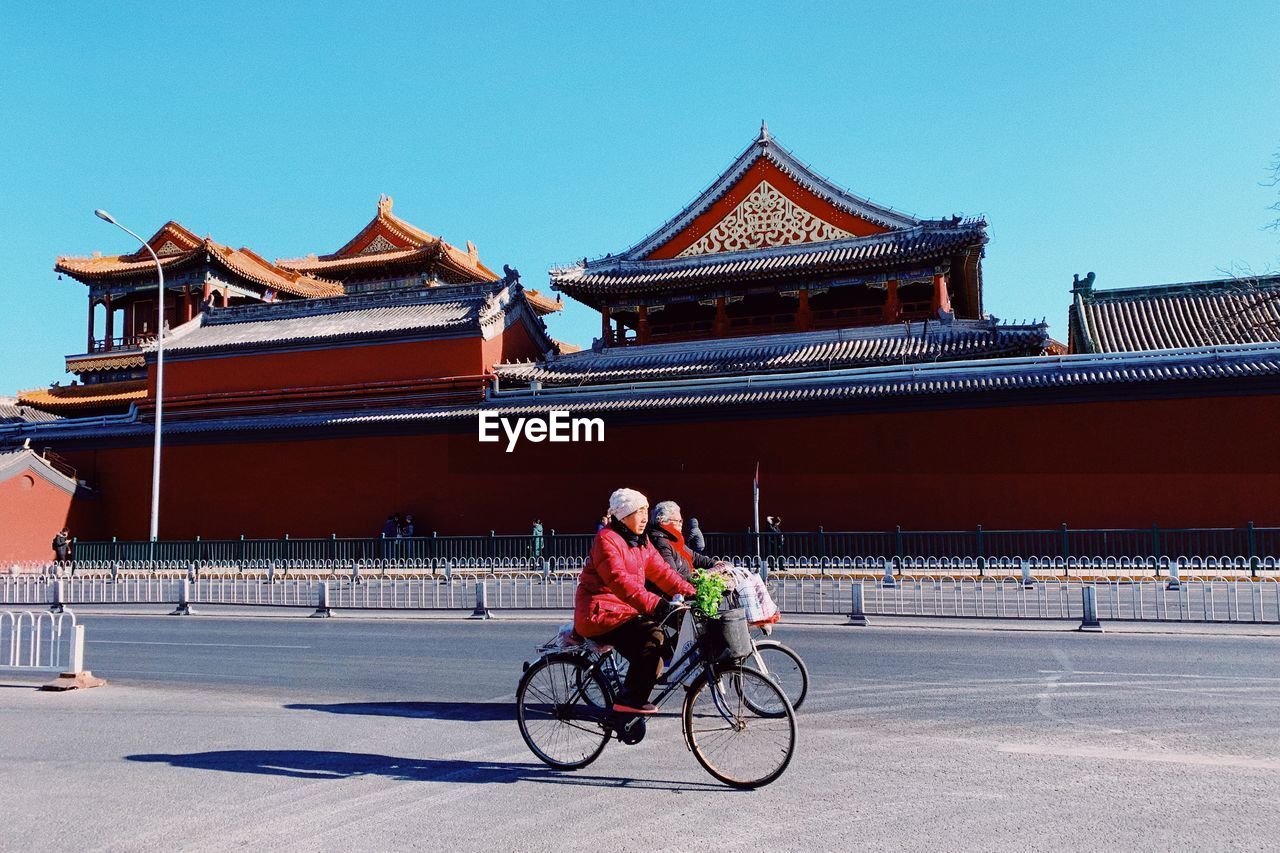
(105,361)
(895,249)
(543,304)
(766,147)
(1210,287)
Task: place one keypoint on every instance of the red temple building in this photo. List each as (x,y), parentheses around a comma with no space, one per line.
(778,321)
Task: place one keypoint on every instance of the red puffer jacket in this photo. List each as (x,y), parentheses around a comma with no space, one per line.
(611,589)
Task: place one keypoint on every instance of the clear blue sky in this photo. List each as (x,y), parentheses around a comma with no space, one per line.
(1093,136)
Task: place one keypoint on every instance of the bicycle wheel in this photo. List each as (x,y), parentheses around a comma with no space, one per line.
(559,705)
(785,667)
(732,741)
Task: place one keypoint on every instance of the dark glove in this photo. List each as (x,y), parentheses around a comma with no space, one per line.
(662,609)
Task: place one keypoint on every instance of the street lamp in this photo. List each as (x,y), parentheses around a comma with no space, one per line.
(155,453)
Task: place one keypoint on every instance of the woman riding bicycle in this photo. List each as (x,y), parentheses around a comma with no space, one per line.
(612,606)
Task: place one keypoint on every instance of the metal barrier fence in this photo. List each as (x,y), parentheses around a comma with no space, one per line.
(36,641)
(1038,566)
(1245,542)
(1209,599)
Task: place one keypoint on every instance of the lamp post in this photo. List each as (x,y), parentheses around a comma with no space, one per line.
(155,453)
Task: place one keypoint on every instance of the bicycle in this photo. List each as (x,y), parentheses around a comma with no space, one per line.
(736,721)
(770,657)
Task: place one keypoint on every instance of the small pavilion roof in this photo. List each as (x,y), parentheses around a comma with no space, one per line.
(771,354)
(389,240)
(1173,316)
(178,247)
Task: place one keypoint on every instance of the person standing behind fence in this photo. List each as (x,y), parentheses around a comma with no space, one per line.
(62,545)
(537,539)
(776,539)
(408,530)
(695,539)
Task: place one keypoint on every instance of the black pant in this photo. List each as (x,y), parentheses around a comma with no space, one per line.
(640,641)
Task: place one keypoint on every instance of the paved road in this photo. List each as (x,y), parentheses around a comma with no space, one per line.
(220,733)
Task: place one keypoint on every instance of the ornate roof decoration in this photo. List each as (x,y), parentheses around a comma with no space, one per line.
(178,247)
(26,461)
(772,354)
(765,158)
(389,240)
(125,360)
(1172,316)
(765,218)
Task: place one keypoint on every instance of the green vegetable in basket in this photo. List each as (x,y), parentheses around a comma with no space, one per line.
(710,589)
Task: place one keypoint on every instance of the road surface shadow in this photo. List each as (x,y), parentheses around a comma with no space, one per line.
(470,712)
(321,764)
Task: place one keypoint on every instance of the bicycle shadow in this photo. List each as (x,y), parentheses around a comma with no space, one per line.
(467,712)
(323,764)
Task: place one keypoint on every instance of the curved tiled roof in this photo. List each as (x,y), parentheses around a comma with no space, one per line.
(404,243)
(176,250)
(838,348)
(1174,316)
(766,147)
(475,308)
(105,361)
(100,395)
(929,241)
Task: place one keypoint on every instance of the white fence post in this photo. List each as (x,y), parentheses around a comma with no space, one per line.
(1089,598)
(322,604)
(184,599)
(856,614)
(482,602)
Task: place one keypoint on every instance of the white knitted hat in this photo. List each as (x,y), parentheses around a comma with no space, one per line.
(623,502)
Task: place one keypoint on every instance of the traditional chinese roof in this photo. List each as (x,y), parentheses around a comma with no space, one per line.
(131,358)
(770,216)
(770,354)
(84,400)
(924,244)
(178,248)
(966,383)
(24,460)
(389,241)
(1173,316)
(480,309)
(11,411)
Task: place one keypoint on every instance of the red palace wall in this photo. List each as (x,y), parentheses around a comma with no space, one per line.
(1125,463)
(32,510)
(323,367)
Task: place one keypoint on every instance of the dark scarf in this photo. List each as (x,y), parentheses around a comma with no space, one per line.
(632,539)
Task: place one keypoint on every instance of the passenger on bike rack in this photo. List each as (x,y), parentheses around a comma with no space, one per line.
(612,606)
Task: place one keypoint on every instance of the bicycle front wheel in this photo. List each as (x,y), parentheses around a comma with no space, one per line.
(560,705)
(785,667)
(728,733)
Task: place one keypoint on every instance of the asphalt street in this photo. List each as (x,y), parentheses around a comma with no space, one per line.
(222,733)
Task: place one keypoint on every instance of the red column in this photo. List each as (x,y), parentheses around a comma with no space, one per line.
(128,331)
(606,336)
(187,307)
(89,348)
(941,299)
(207,289)
(642,326)
(111,322)
(892,309)
(721,325)
(804,317)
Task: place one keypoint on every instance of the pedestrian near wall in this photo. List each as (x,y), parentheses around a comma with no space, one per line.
(62,545)
(695,540)
(537,539)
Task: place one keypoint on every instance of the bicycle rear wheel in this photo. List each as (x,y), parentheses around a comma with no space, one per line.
(785,667)
(728,734)
(560,705)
